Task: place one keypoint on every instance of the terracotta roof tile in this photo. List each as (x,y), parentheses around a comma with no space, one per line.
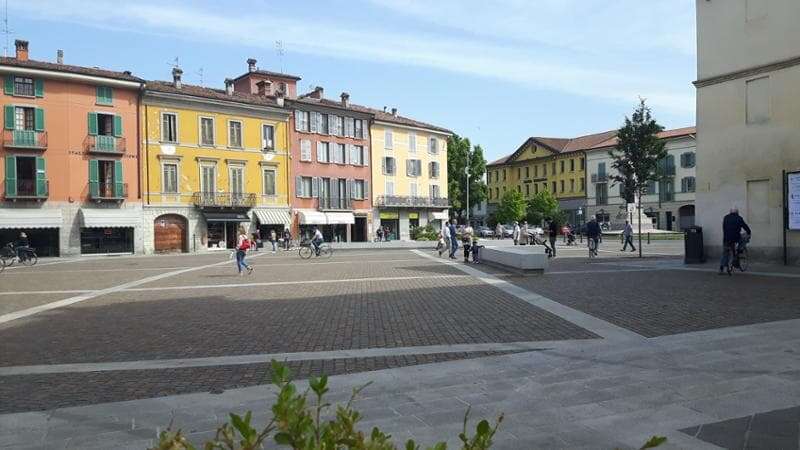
(210,93)
(269,73)
(80,70)
(666,134)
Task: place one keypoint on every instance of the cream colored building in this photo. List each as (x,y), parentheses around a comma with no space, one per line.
(409,174)
(748,119)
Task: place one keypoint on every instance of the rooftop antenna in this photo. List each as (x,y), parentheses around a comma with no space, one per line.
(6,31)
(200,73)
(175,62)
(278,50)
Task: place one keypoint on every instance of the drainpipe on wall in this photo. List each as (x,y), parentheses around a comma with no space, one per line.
(147,153)
(139,140)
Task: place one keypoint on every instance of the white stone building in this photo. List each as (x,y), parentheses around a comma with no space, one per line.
(748,119)
(669,203)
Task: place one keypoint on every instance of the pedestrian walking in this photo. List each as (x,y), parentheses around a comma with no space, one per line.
(554,228)
(446,237)
(273,239)
(498,231)
(453,239)
(379,234)
(524,237)
(287,239)
(242,245)
(627,234)
(516,233)
(466,240)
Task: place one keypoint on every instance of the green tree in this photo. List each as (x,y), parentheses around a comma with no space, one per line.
(637,156)
(459,151)
(512,207)
(543,206)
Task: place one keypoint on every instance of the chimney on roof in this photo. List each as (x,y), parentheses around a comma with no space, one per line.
(228,86)
(128,72)
(263,88)
(279,97)
(318,93)
(394,112)
(60,56)
(384,109)
(251,65)
(176,77)
(22,49)
(345,99)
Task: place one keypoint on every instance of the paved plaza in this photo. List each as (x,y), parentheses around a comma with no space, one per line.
(101,353)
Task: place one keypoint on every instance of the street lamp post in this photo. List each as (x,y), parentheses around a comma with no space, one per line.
(466,172)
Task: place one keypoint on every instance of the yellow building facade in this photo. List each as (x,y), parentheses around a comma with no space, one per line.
(553,165)
(213,161)
(409,174)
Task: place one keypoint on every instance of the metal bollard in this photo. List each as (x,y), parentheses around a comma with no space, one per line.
(581,238)
(648,238)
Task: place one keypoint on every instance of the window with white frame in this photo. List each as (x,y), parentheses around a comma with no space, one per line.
(412,189)
(301,120)
(412,143)
(413,167)
(433,169)
(234,134)
(267,137)
(687,184)
(387,139)
(169,127)
(358,189)
(389,187)
(340,156)
(349,126)
(305,187)
(323,152)
(269,181)
(236,179)
(208,179)
(359,129)
(322,126)
(433,191)
(358,158)
(23,86)
(169,177)
(305,150)
(206,131)
(388,165)
(433,145)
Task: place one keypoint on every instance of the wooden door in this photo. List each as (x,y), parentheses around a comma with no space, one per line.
(170,233)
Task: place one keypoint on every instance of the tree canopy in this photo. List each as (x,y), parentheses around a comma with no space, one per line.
(512,207)
(543,206)
(458,150)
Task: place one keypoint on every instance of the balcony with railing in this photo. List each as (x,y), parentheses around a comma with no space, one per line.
(25,139)
(334,203)
(104,144)
(599,178)
(103,191)
(407,201)
(26,189)
(231,200)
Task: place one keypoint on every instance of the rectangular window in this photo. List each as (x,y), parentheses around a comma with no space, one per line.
(412,143)
(433,145)
(433,169)
(389,187)
(527,172)
(170,176)
(341,154)
(413,167)
(305,150)
(358,190)
(562,166)
(358,158)
(572,165)
(572,185)
(306,184)
(236,179)
(322,126)
(553,168)
(601,170)
(323,152)
(208,179)
(23,86)
(267,138)
(535,171)
(235,134)
(339,128)
(105,95)
(387,139)
(169,127)
(519,173)
(206,131)
(535,188)
(554,186)
(301,120)
(527,190)
(583,184)
(583,164)
(602,194)
(359,130)
(504,174)
(23,118)
(758,101)
(544,170)
(269,181)
(562,185)
(388,165)
(412,189)
(349,127)
(434,191)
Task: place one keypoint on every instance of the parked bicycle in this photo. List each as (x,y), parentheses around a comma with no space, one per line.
(25,256)
(741,258)
(307,250)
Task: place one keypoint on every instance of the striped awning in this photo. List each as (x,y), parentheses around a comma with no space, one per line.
(30,218)
(273,216)
(312,217)
(110,218)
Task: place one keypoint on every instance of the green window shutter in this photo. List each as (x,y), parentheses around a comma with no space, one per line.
(9,85)
(117,126)
(9,117)
(41,177)
(118,177)
(93,124)
(11,176)
(38,120)
(94,187)
(109,95)
(104,95)
(38,87)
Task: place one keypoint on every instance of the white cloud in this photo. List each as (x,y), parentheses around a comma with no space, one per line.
(489,53)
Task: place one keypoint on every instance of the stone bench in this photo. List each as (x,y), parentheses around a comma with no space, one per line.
(521,259)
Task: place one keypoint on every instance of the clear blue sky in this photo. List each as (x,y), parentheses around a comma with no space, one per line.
(496,72)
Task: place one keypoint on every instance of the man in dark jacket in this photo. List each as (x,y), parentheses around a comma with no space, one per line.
(593,233)
(553,229)
(732,226)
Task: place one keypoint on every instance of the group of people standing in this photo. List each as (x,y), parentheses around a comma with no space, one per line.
(449,237)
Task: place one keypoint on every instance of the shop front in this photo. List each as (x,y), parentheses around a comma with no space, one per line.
(390,223)
(335,226)
(40,225)
(108,230)
(271,219)
(222,228)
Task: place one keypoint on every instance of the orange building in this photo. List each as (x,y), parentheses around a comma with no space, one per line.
(69,157)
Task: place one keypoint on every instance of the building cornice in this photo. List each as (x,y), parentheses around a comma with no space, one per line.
(168,99)
(749,72)
(68,76)
(409,127)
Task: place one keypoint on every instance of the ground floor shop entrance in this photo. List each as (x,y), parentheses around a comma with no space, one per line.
(360,229)
(43,240)
(169,233)
(222,228)
(106,240)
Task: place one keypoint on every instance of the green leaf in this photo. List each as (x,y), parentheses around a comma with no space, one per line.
(411,445)
(483,427)
(654,441)
(283,438)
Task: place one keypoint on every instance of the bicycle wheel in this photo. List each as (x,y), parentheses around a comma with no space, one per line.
(326,251)
(30,259)
(305,252)
(743,260)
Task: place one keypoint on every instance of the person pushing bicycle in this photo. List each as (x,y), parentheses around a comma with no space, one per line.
(732,226)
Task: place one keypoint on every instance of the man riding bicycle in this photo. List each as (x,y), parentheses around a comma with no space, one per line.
(732,226)
(317,240)
(22,245)
(593,233)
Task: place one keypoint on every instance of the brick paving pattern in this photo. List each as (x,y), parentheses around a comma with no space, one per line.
(44,392)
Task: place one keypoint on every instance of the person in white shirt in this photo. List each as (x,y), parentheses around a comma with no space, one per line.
(516,233)
(317,240)
(446,236)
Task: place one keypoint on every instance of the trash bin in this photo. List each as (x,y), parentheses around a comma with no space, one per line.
(693,245)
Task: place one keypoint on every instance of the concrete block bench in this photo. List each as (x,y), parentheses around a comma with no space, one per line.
(521,259)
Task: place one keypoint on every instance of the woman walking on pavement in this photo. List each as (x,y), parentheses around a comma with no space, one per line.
(242,245)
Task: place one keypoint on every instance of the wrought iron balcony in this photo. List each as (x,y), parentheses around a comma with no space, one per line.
(407,201)
(224,200)
(101,190)
(104,144)
(327,203)
(599,177)
(25,139)
(27,189)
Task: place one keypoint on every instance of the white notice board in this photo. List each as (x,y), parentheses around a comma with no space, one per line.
(793,199)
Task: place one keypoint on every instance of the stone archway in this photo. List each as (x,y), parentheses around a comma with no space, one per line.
(169,231)
(686,216)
